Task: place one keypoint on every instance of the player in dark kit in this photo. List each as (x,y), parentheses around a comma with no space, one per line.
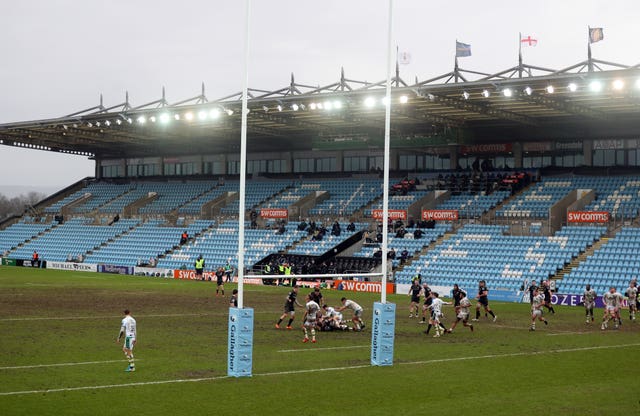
(289,307)
(414,292)
(546,291)
(483,301)
(426,292)
(316,296)
(233,302)
(532,288)
(457,294)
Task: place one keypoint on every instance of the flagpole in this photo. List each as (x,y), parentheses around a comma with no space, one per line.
(520,54)
(589,62)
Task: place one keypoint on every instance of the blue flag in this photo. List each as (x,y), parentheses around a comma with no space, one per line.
(462,49)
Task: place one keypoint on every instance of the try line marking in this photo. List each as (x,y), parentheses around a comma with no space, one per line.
(20,367)
(311,370)
(69,318)
(326,348)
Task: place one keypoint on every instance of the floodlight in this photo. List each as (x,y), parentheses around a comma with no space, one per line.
(265,108)
(572,87)
(595,86)
(230,111)
(295,107)
(404,99)
(215,113)
(319,106)
(337,104)
(279,107)
(486,93)
(118,121)
(202,115)
(141,119)
(130,120)
(507,92)
(466,95)
(152,119)
(618,84)
(107,123)
(369,102)
(550,89)
(312,106)
(97,124)
(164,118)
(176,116)
(328,105)
(188,116)
(528,91)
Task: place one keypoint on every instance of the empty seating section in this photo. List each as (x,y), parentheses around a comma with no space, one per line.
(469,205)
(536,201)
(290,196)
(143,242)
(483,252)
(20,232)
(74,237)
(346,196)
(413,246)
(172,195)
(316,248)
(399,201)
(615,263)
(221,243)
(619,195)
(256,193)
(193,207)
(101,192)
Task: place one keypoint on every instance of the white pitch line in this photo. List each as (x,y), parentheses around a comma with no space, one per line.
(20,367)
(518,354)
(311,370)
(326,348)
(570,333)
(69,318)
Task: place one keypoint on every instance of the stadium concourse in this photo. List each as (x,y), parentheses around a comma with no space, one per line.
(525,174)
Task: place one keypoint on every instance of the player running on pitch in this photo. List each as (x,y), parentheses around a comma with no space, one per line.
(290,307)
(128,330)
(483,301)
(536,309)
(436,315)
(612,301)
(462,310)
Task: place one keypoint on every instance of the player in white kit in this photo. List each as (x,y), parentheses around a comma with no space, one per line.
(128,330)
(358,324)
(462,313)
(589,300)
(536,309)
(612,301)
(310,319)
(436,314)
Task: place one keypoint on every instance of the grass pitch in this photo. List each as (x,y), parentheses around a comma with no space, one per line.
(59,356)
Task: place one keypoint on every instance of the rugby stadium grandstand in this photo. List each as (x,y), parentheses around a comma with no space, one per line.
(525,174)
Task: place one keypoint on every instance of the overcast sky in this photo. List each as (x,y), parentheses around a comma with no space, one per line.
(58,56)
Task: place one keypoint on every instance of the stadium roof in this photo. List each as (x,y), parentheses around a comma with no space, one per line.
(592,99)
